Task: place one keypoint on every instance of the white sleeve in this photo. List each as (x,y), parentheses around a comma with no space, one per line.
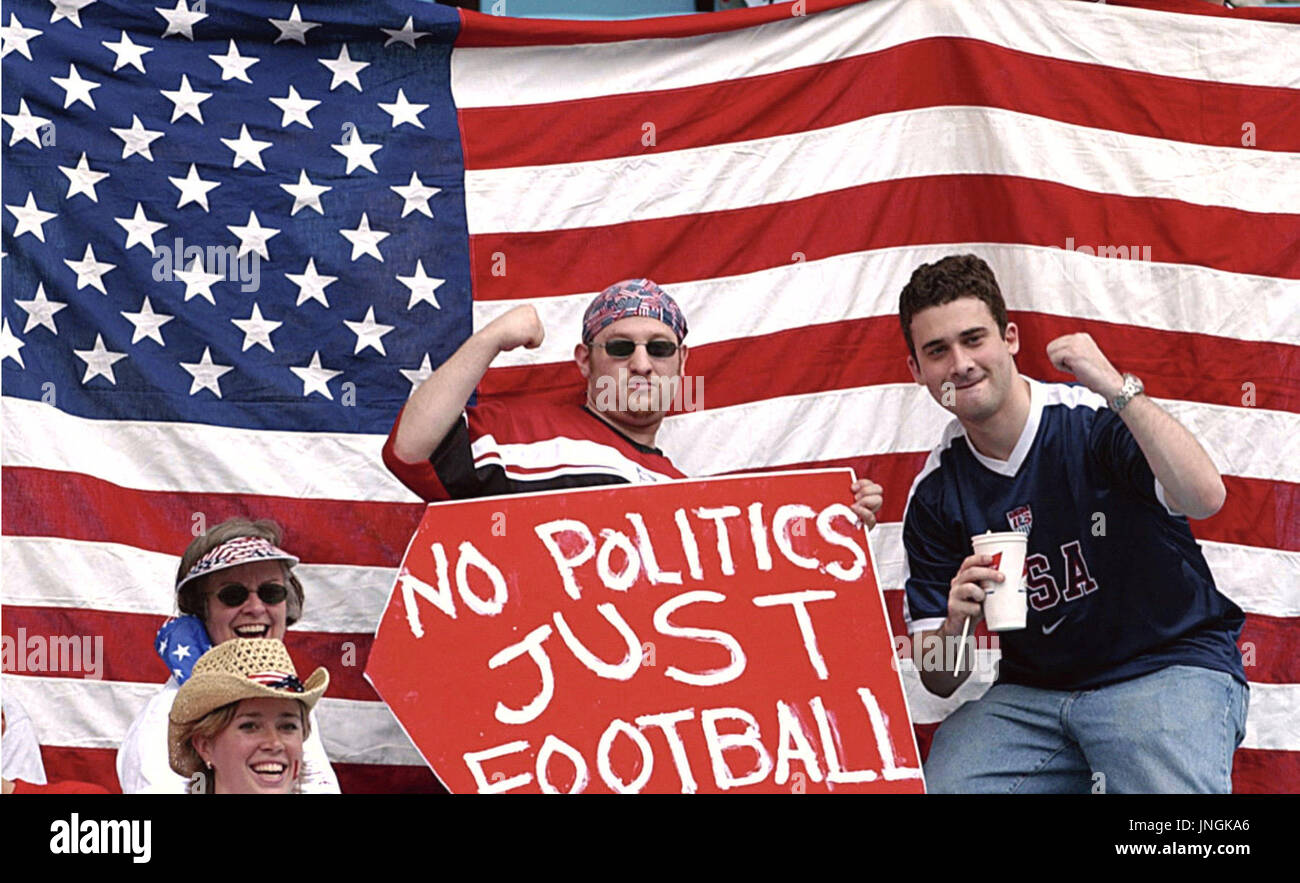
(20,750)
(317,773)
(143,766)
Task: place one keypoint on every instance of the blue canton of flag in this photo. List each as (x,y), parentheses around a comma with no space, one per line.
(238,213)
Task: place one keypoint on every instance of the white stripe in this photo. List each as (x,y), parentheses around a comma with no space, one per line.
(803,429)
(859,285)
(347,599)
(191,457)
(553,453)
(1259,580)
(1246,442)
(95,714)
(891,418)
(1250,442)
(55,572)
(906,144)
(1192,46)
(1256,579)
(357,731)
(1271,722)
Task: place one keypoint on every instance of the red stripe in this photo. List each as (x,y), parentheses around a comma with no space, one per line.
(1260,771)
(367,778)
(97,765)
(1258,512)
(1181,365)
(819,96)
(478,29)
(43,502)
(1268,649)
(128,647)
(887,214)
(866,352)
(924,736)
(1254,770)
(1200,7)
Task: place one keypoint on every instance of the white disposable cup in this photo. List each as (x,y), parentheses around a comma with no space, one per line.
(1005,605)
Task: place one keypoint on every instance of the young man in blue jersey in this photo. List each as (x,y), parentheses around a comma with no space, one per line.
(1127,676)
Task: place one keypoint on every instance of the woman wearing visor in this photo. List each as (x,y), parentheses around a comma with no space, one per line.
(234,581)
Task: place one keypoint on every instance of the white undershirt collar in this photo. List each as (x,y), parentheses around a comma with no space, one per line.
(1010,466)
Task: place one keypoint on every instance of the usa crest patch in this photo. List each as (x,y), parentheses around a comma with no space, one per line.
(1021,519)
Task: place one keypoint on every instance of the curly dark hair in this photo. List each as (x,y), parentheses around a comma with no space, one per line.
(957,275)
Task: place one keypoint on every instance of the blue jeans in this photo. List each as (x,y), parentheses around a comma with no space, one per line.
(1169,732)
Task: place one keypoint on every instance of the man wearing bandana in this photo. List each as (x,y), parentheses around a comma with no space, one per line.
(633,358)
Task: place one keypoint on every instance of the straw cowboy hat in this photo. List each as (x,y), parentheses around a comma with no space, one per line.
(241,668)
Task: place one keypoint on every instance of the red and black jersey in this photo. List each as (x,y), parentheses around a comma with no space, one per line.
(521,446)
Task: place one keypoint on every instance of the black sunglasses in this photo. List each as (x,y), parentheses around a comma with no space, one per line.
(234,595)
(621,348)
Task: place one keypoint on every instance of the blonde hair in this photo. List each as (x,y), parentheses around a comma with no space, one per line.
(209,727)
(192,597)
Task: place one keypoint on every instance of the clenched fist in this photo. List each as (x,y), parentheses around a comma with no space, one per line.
(1078,354)
(519,327)
(867,499)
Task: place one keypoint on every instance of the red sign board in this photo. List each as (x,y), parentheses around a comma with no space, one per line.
(696,636)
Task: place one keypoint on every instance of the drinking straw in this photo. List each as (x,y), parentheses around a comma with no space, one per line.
(961,649)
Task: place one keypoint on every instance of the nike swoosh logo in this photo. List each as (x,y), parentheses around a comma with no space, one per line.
(1048,629)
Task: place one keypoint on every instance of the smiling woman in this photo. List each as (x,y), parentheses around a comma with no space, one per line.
(235,578)
(234,582)
(237,726)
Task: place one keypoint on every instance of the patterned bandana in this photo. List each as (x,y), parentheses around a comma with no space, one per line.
(180,643)
(240,550)
(632,297)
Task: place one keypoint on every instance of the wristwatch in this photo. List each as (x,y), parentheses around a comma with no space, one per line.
(1132,387)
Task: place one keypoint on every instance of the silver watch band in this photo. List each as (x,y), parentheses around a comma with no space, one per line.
(1131,389)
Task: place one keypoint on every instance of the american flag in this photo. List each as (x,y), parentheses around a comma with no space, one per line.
(403,172)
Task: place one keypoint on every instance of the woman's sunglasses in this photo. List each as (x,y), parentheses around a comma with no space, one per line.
(621,348)
(234,595)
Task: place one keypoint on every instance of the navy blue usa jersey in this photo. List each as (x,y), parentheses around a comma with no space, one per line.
(1116,584)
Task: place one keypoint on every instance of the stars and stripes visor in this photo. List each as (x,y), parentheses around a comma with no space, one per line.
(240,550)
